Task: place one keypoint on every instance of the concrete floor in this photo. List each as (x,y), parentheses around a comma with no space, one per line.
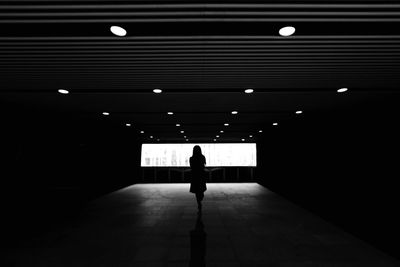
(157,225)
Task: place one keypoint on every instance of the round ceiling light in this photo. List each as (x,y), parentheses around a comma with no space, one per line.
(249,91)
(170,113)
(287,31)
(128,124)
(226,124)
(63,91)
(243,140)
(151,136)
(118,31)
(221,131)
(157,91)
(250,136)
(141,132)
(182,131)
(177,125)
(106,113)
(299,112)
(217,136)
(215,140)
(341,90)
(275,124)
(260,131)
(234,112)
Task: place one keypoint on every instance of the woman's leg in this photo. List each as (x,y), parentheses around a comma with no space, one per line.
(199,198)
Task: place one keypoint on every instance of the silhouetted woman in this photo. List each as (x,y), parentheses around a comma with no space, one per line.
(198,183)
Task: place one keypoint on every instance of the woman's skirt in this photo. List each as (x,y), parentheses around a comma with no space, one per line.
(198,184)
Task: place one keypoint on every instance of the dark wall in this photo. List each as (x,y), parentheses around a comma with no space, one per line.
(53,164)
(342,165)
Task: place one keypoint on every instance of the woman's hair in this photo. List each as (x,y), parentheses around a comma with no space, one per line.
(197,151)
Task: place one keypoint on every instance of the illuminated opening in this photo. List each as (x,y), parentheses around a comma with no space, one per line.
(217,155)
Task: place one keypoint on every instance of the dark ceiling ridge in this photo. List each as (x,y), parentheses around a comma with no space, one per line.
(201,20)
(201,14)
(376,5)
(177,112)
(219,67)
(217,63)
(123,49)
(176,53)
(200,65)
(202,56)
(200,37)
(192,62)
(185,80)
(338,63)
(113,75)
(257,73)
(330,90)
(201,42)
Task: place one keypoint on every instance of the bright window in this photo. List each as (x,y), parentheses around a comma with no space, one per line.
(217,155)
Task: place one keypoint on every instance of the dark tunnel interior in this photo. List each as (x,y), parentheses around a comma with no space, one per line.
(341,165)
(83,84)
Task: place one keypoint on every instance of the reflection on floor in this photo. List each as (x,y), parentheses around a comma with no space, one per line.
(157,225)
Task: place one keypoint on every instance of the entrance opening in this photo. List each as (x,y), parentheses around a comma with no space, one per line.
(217,155)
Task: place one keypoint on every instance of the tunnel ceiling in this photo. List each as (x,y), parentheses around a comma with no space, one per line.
(203,55)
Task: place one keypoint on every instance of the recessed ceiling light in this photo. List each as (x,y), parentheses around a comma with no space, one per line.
(260,131)
(177,125)
(141,132)
(184,136)
(234,112)
(182,131)
(106,113)
(275,124)
(158,139)
(157,91)
(226,124)
(117,30)
(341,90)
(128,124)
(63,91)
(250,136)
(221,131)
(287,31)
(151,136)
(187,140)
(243,140)
(215,140)
(299,112)
(249,91)
(217,136)
(170,113)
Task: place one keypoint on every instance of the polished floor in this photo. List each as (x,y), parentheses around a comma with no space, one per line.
(242,224)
